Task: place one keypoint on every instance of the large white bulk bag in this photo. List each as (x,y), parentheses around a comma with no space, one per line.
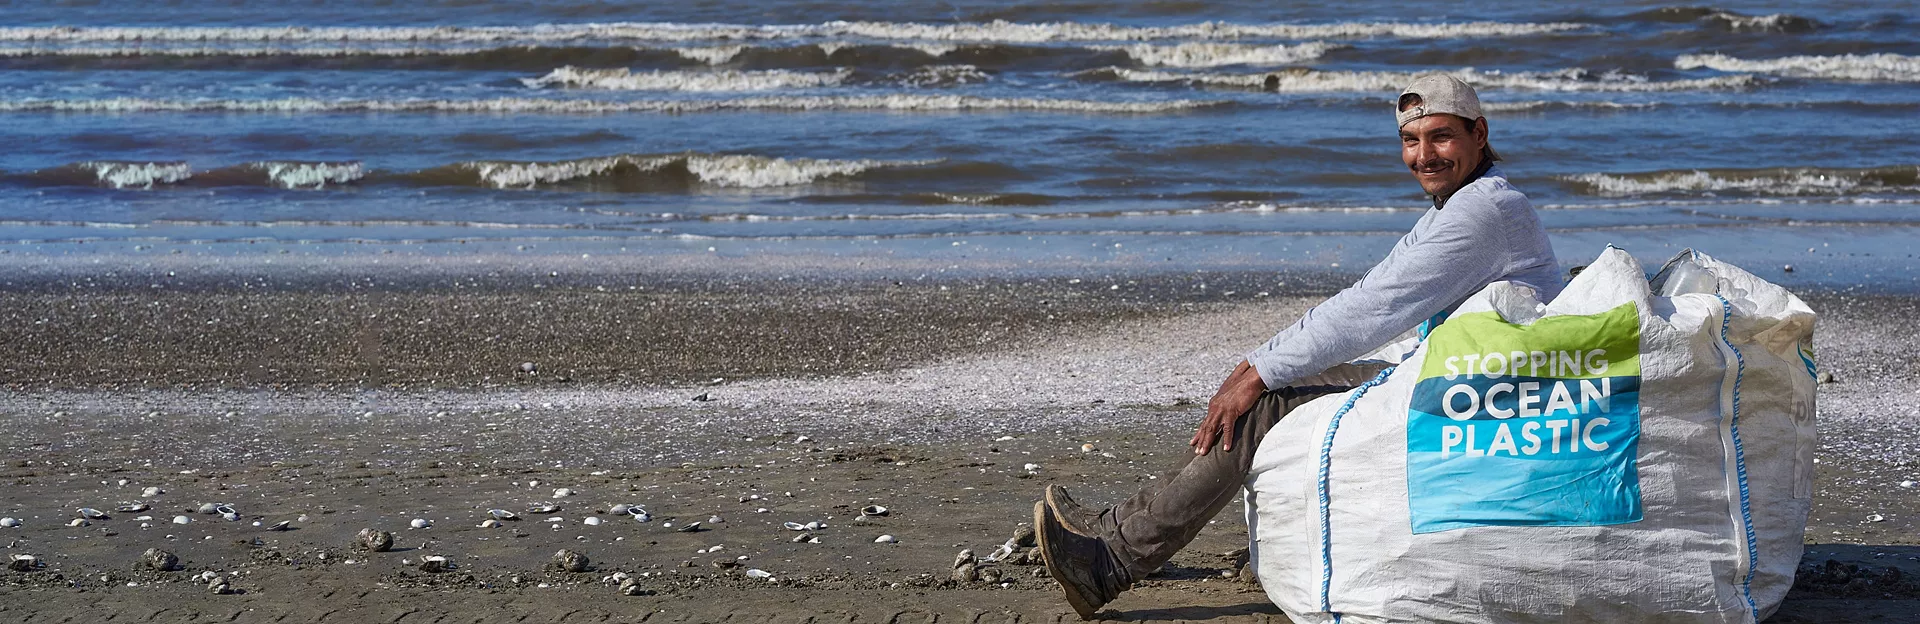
(1628,452)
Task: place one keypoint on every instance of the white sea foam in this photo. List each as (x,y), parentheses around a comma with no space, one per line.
(137,174)
(1210,54)
(313,175)
(1002,31)
(712,55)
(1299,80)
(1791,181)
(761,172)
(895,102)
(942,76)
(1869,67)
(623,80)
(530,174)
(723,170)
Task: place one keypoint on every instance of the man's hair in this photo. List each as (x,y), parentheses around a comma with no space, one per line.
(1410,100)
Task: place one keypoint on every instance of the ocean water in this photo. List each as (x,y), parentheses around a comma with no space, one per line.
(656,124)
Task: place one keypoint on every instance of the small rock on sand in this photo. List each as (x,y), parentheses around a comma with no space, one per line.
(568,561)
(159,560)
(375,541)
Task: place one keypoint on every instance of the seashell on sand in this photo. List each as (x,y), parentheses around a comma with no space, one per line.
(435,563)
(874,510)
(9,522)
(420,523)
(542,508)
(181,520)
(502,514)
(23,563)
(886,539)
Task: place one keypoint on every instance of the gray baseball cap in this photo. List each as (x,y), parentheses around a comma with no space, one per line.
(1440,94)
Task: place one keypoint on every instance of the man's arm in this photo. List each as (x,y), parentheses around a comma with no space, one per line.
(1427,271)
(1432,268)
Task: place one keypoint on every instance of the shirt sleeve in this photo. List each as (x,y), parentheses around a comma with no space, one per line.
(1428,270)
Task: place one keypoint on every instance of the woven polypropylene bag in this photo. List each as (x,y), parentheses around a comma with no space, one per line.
(1633,451)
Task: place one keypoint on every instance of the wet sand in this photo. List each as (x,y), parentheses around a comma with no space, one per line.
(339,402)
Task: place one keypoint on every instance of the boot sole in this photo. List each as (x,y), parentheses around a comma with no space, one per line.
(1080,604)
(1065,523)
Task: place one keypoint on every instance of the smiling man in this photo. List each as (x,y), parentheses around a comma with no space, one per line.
(1481,230)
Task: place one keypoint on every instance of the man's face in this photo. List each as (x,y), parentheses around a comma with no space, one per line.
(1441,152)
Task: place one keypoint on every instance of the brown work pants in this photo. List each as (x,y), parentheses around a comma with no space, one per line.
(1145,530)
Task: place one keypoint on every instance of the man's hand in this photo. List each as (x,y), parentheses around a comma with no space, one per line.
(1236,395)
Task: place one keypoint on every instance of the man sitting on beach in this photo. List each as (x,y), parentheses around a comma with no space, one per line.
(1480,230)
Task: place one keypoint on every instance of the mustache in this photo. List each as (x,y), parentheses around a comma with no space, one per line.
(1432,164)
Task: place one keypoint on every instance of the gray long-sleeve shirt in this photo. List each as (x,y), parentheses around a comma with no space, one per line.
(1486,232)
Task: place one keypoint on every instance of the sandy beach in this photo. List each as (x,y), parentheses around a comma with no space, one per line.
(339,400)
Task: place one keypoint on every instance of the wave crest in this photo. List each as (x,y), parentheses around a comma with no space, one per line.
(998,30)
(895,102)
(1773,181)
(1209,54)
(1864,67)
(623,79)
(1301,80)
(720,170)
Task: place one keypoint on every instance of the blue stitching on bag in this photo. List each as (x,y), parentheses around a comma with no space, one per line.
(1739,458)
(1326,465)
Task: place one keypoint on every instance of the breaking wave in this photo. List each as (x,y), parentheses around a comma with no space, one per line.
(116,174)
(1864,67)
(625,80)
(1000,31)
(1208,54)
(896,103)
(642,172)
(1732,21)
(1772,181)
(941,76)
(1301,80)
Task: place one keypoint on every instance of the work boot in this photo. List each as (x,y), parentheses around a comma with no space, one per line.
(1082,520)
(1083,565)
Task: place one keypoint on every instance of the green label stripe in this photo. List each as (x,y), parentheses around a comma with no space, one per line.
(1483,345)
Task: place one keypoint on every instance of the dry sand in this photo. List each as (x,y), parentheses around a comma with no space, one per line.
(340,407)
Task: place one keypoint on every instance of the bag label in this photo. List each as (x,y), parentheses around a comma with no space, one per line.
(1527,425)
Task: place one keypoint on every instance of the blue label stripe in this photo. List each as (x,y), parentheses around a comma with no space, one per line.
(1326,469)
(1739,458)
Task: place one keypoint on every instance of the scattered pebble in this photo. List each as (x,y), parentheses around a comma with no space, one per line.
(9,522)
(562,493)
(1032,467)
(420,523)
(1904,484)
(568,561)
(159,560)
(375,541)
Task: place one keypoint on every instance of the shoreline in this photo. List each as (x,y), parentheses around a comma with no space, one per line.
(935,423)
